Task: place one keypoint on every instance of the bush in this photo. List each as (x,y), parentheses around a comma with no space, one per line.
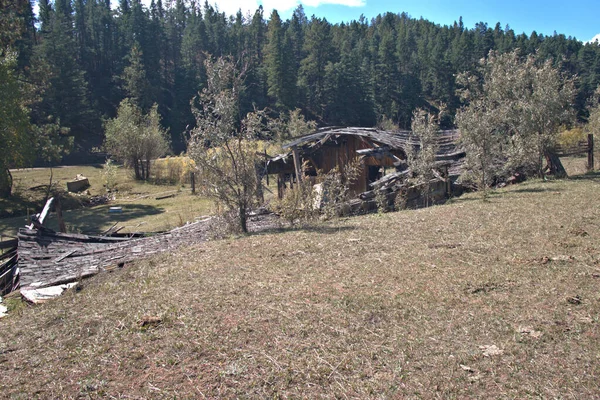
(571,137)
(173,170)
(109,175)
(336,187)
(297,204)
(136,138)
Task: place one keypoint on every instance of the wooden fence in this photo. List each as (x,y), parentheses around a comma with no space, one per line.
(581,147)
(8,266)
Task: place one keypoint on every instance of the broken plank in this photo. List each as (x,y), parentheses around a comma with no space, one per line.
(165,196)
(65,255)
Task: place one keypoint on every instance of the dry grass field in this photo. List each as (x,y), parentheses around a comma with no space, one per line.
(470,299)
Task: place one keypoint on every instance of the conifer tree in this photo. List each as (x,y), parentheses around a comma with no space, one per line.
(280,81)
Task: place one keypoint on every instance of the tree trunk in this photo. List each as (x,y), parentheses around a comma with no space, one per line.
(136,169)
(142,170)
(5,183)
(243,220)
(260,197)
(554,165)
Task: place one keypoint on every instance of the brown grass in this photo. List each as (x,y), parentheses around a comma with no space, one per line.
(380,306)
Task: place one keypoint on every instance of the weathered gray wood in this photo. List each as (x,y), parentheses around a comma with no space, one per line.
(48,258)
(297,167)
(167,196)
(65,255)
(78,185)
(590,152)
(8,244)
(39,219)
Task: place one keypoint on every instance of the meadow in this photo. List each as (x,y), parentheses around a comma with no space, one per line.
(470,299)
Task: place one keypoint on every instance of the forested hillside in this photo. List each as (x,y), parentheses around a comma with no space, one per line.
(81,58)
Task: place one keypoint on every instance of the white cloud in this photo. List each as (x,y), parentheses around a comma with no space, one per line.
(595,39)
(230,7)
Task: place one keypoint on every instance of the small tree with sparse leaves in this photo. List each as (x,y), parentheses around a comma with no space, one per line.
(421,161)
(135,138)
(224,149)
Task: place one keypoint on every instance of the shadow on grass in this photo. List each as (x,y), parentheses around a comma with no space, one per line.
(530,190)
(98,219)
(17,205)
(322,229)
(591,176)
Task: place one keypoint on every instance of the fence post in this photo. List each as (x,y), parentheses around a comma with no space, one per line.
(590,152)
(193,181)
(448,182)
(58,208)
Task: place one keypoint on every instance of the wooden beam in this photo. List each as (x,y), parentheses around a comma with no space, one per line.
(41,217)
(297,165)
(590,155)
(61,222)
(193,182)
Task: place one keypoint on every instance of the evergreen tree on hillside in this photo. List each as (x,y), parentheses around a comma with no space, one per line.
(338,73)
(135,84)
(311,77)
(278,64)
(65,99)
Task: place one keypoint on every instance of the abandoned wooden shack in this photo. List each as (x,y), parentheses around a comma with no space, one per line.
(383,155)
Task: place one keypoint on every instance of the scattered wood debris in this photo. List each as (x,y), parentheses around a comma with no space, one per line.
(167,196)
(529,331)
(574,300)
(148,321)
(78,184)
(45,263)
(491,350)
(42,295)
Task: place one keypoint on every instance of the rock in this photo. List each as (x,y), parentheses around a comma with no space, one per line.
(3,311)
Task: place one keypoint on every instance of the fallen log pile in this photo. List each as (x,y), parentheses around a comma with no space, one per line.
(8,266)
(48,258)
(44,263)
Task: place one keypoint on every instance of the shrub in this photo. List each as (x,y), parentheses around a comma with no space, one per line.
(109,175)
(297,204)
(336,187)
(571,137)
(173,170)
(136,138)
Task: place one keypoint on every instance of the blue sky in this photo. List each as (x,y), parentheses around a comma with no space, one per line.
(578,18)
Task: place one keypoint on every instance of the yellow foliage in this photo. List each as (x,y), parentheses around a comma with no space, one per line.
(173,169)
(270,147)
(570,137)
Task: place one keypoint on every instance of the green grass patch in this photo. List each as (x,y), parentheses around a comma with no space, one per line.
(141,210)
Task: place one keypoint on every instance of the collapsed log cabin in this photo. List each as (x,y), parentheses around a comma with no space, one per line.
(383,155)
(51,259)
